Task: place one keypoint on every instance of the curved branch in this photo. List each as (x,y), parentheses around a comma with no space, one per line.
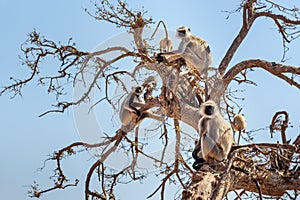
(119,136)
(278,17)
(247,23)
(274,68)
(282,126)
(249,16)
(35,49)
(59,173)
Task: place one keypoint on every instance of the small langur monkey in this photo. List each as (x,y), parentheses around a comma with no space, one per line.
(130,113)
(239,124)
(149,86)
(165,44)
(216,135)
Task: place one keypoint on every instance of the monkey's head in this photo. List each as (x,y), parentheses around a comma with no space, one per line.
(151,81)
(208,109)
(138,90)
(183,32)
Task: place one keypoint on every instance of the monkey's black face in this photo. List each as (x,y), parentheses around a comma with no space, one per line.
(138,90)
(181,33)
(209,110)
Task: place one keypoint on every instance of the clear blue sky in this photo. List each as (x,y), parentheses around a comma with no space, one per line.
(26,139)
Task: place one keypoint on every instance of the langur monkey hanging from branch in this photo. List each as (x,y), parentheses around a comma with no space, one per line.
(165,44)
(216,136)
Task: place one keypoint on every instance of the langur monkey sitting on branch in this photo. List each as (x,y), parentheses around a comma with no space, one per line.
(194,50)
(216,137)
(149,86)
(239,124)
(132,113)
(165,44)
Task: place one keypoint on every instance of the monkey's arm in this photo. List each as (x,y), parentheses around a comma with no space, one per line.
(173,55)
(181,49)
(168,57)
(211,149)
(133,108)
(197,154)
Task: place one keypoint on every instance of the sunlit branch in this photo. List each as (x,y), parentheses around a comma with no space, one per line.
(276,69)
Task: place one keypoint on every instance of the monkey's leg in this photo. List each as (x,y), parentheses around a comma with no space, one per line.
(197,151)
(198,164)
(168,57)
(211,149)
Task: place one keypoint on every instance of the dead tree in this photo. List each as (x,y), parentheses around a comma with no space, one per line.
(263,169)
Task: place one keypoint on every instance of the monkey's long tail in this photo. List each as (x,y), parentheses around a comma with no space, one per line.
(240,132)
(166,31)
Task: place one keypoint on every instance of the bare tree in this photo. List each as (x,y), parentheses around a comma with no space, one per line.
(253,170)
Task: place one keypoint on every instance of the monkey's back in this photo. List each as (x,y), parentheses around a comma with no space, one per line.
(239,123)
(198,54)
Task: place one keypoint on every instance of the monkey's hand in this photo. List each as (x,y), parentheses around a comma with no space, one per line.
(138,112)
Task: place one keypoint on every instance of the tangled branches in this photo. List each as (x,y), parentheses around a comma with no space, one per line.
(253,168)
(178,98)
(35,50)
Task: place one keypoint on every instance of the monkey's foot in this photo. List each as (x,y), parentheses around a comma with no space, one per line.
(198,164)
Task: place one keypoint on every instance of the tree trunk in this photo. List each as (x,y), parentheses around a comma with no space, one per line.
(244,171)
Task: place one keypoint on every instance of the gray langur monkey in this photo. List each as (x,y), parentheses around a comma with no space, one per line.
(149,86)
(165,44)
(239,124)
(194,50)
(130,113)
(216,135)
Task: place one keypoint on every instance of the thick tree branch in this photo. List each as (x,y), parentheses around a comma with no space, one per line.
(247,23)
(276,69)
(250,14)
